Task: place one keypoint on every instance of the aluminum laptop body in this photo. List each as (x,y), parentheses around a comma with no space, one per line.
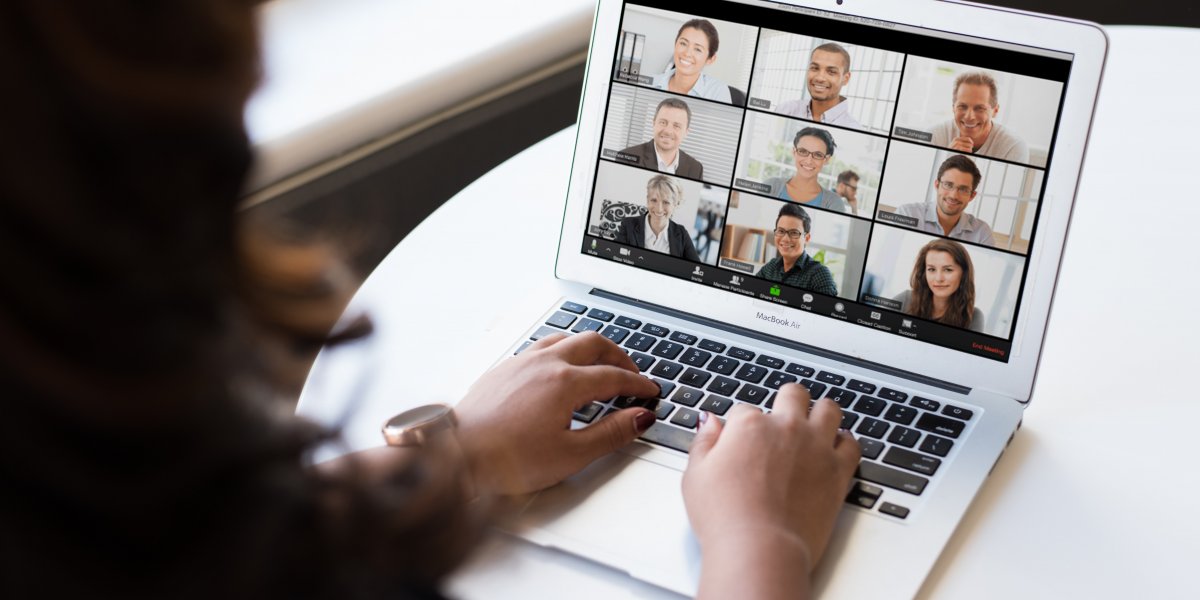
(626,510)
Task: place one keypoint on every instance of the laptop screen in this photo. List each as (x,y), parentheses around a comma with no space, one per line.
(865,171)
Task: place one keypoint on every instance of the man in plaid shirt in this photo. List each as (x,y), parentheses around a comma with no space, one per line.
(794,266)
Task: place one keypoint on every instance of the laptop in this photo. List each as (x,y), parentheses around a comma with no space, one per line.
(866,197)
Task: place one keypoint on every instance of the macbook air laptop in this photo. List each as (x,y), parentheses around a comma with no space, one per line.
(866,197)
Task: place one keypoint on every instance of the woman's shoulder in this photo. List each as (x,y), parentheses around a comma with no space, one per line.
(977,320)
(830,199)
(903,298)
(714,89)
(776,184)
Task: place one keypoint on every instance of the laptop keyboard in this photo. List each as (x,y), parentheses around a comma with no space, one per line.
(904,437)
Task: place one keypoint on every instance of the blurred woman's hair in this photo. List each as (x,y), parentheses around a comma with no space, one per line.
(146,333)
(961,307)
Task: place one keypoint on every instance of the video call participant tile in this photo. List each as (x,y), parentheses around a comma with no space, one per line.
(658,212)
(671,134)
(816,165)
(685,54)
(941,280)
(802,247)
(977,111)
(826,81)
(960,196)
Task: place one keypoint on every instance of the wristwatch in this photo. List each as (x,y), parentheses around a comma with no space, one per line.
(417,426)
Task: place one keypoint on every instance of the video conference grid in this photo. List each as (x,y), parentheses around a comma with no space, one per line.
(736,177)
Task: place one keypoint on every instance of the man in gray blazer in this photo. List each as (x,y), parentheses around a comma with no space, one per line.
(672,122)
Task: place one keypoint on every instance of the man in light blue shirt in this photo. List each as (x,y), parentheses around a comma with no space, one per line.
(828,71)
(956,184)
(695,48)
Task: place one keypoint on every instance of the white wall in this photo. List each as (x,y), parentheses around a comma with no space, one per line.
(907,177)
(660,27)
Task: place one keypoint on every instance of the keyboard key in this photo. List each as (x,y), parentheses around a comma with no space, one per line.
(903,436)
(925,403)
(573,307)
(695,378)
(716,404)
(830,378)
(642,361)
(936,445)
(667,369)
(861,386)
(740,354)
(542,332)
(898,413)
(586,324)
(800,370)
(907,459)
(640,341)
(623,402)
(723,365)
(893,478)
(771,401)
(663,409)
(848,420)
(723,385)
(888,508)
(683,338)
(842,397)
(752,394)
(667,349)
(770,361)
(872,427)
(870,448)
(957,413)
(864,494)
(560,320)
(712,346)
(695,358)
(664,387)
(608,412)
(657,330)
(814,389)
(685,417)
(778,380)
(523,347)
(603,315)
(939,425)
(687,396)
(751,373)
(891,394)
(671,437)
(627,322)
(614,333)
(870,406)
(588,413)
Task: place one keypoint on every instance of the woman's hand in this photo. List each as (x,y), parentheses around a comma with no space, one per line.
(763,492)
(515,423)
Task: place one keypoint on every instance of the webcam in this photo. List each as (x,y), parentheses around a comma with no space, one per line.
(839,2)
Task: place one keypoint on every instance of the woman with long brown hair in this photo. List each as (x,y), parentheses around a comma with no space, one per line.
(148,331)
(942,286)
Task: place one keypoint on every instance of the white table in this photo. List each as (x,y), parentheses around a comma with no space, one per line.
(1095,497)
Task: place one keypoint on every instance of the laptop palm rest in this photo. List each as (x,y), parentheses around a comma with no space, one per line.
(624,512)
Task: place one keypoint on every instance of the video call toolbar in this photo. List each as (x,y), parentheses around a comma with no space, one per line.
(887,179)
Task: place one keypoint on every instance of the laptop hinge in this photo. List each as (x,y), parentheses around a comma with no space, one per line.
(770,339)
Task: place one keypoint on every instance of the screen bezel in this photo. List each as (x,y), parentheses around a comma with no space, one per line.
(1014,379)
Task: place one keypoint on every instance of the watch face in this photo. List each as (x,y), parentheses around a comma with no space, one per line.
(418,415)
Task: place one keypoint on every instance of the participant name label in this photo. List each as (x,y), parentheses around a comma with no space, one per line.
(880,301)
(914,134)
(754,186)
(760,103)
(737,266)
(897,219)
(617,155)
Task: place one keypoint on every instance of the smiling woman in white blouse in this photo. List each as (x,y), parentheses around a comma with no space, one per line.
(656,231)
(695,48)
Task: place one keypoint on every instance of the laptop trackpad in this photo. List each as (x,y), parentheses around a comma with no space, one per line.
(624,512)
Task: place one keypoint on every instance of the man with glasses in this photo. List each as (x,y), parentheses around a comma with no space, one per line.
(793,266)
(955,186)
(847,188)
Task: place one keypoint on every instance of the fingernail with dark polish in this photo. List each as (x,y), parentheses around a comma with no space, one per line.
(644,420)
